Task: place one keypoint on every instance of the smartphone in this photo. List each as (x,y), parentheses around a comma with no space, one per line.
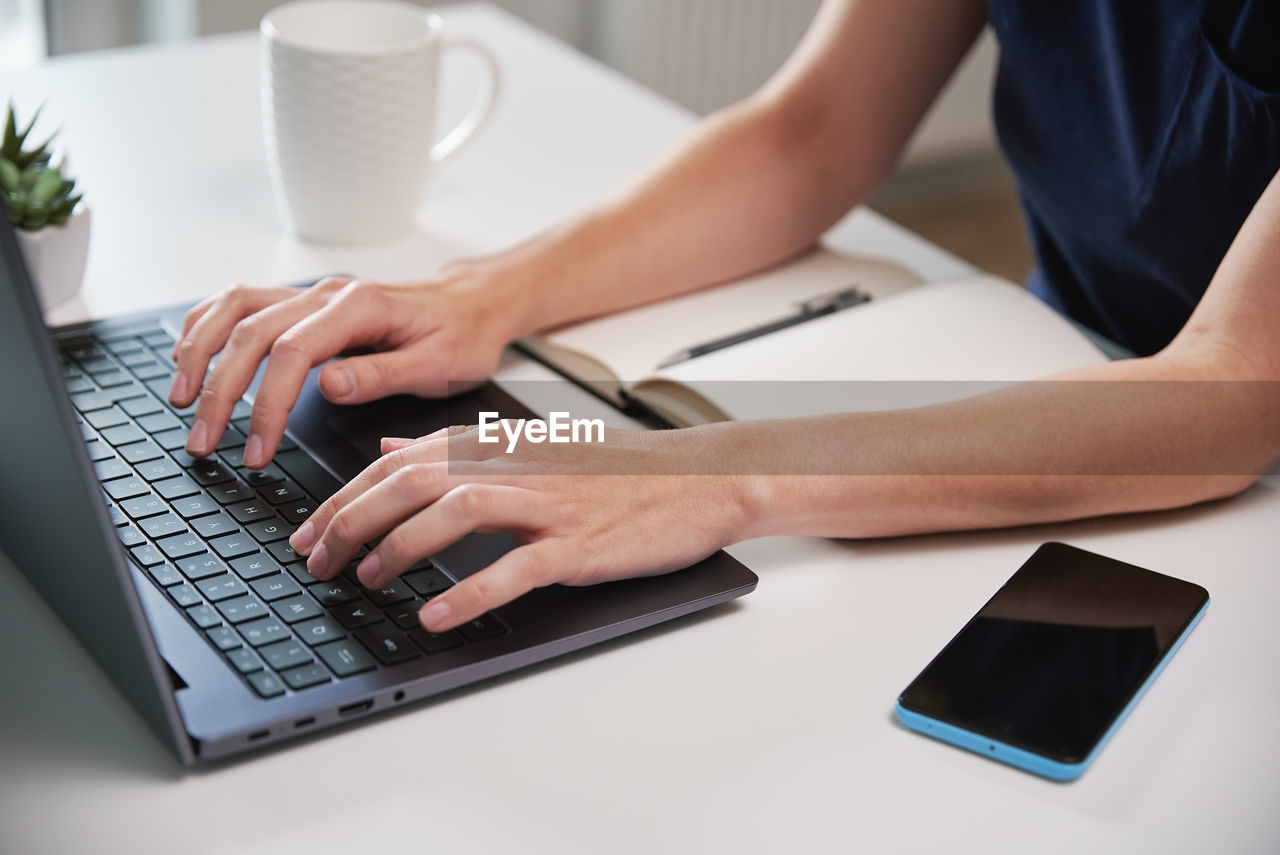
(1045,672)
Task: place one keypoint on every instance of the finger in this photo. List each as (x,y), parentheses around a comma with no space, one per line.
(514,574)
(346,321)
(193,314)
(458,512)
(359,379)
(246,345)
(304,539)
(395,443)
(209,334)
(376,511)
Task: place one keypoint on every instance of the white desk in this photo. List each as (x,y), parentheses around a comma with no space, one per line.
(763,727)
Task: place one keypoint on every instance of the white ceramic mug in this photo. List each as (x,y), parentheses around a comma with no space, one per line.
(349,91)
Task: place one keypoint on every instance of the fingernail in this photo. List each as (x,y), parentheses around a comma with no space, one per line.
(367,572)
(434,613)
(181,385)
(199,436)
(316,563)
(341,382)
(303,538)
(253,452)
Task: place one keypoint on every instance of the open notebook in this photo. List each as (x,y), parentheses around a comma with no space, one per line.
(910,346)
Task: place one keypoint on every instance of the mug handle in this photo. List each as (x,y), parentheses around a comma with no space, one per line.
(480,113)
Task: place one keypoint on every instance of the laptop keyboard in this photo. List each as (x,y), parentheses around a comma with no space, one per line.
(213,535)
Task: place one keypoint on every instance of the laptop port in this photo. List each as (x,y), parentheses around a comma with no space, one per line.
(305,722)
(261,734)
(358,707)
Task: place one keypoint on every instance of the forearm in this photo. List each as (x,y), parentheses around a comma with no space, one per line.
(759,181)
(1079,445)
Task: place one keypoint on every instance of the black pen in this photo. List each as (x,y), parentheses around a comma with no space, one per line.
(824,304)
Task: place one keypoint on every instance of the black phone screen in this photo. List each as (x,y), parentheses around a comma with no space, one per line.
(1055,656)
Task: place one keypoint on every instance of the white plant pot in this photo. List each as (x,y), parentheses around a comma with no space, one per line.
(56,257)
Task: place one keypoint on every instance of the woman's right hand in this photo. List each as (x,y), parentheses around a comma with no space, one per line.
(425,335)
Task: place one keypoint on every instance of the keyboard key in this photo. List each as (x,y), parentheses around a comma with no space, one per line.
(356,614)
(159,422)
(254,566)
(262,477)
(184,595)
(485,626)
(159,340)
(435,642)
(118,516)
(158,470)
(284,491)
(233,545)
(201,566)
(106,418)
(130,536)
(147,555)
(233,457)
(143,506)
(125,488)
(111,468)
(335,592)
(276,587)
(112,378)
(304,676)
(428,582)
(299,571)
(247,512)
(388,644)
(345,657)
(194,506)
(98,451)
(242,609)
(76,385)
(231,438)
(171,439)
(181,546)
(285,654)
(264,631)
(134,356)
(319,630)
(297,608)
(232,492)
(269,531)
(266,684)
(224,638)
(212,472)
(218,588)
(176,488)
(138,452)
(296,512)
(87,402)
(204,616)
(163,525)
(143,405)
(153,371)
(244,661)
(165,575)
(215,525)
(283,552)
(392,592)
(97,364)
(405,615)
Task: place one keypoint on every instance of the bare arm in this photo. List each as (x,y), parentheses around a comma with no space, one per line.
(759,181)
(1057,450)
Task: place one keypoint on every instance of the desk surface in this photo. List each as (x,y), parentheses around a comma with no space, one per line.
(765,726)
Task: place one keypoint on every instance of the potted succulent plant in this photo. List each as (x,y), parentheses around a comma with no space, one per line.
(52,224)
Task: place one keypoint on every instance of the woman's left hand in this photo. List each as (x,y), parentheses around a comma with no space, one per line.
(584,513)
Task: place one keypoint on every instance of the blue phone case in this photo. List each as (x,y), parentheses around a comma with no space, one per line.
(1021,758)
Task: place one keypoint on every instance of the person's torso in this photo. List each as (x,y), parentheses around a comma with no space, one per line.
(1141,133)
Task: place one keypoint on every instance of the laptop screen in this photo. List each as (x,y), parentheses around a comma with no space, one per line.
(53,521)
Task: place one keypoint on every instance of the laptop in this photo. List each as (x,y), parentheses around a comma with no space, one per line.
(176,574)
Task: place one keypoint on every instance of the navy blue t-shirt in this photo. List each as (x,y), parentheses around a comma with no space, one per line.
(1141,133)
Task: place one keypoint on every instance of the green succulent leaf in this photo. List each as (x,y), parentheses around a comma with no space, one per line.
(10,176)
(9,147)
(46,186)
